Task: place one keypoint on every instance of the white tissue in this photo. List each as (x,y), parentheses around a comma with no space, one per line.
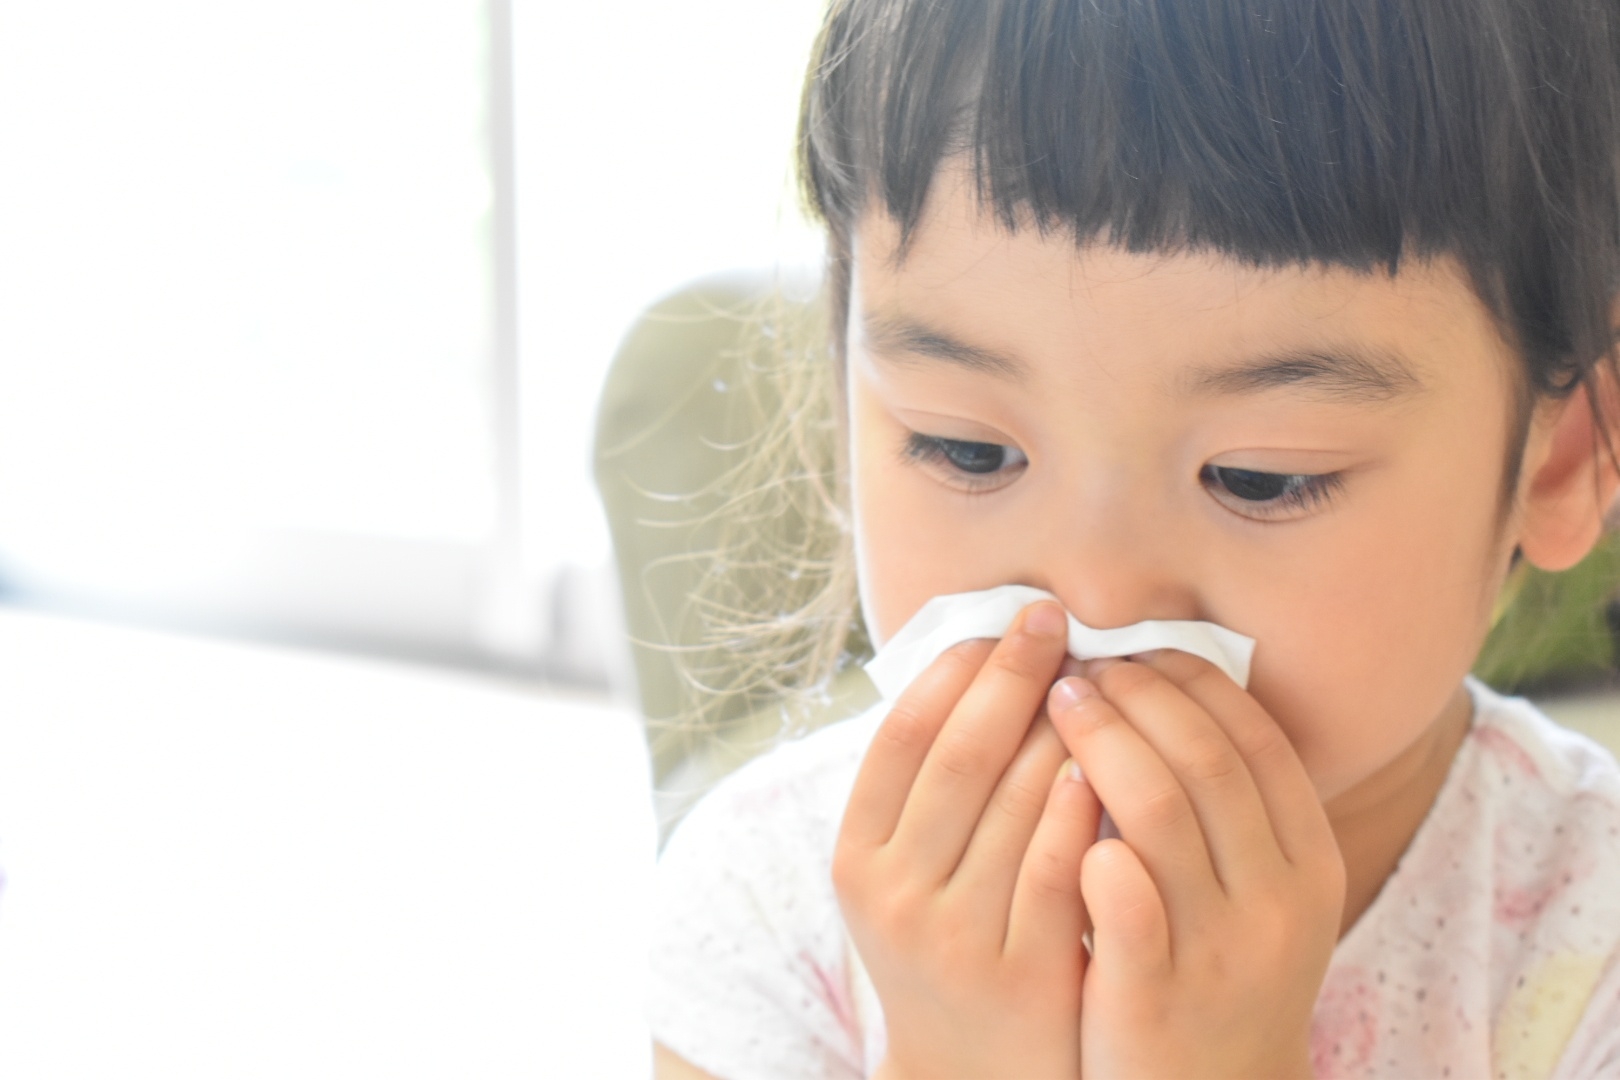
(946,620)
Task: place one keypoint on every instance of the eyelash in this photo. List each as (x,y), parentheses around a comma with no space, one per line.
(936,452)
(1299,491)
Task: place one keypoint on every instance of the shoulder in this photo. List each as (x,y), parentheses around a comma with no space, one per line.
(749,968)
(1523,758)
(1491,948)
(793,794)
(1552,797)
(765,834)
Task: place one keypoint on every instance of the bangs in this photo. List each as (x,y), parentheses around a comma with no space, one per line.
(1349,132)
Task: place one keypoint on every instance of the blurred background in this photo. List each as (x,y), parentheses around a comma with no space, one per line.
(318,751)
(304,307)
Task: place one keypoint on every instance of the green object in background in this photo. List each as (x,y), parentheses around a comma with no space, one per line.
(1554,629)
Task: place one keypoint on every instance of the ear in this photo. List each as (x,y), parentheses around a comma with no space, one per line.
(1570,479)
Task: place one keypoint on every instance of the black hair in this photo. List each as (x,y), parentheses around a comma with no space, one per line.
(1358,133)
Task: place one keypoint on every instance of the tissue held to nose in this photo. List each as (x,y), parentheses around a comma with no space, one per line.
(946,620)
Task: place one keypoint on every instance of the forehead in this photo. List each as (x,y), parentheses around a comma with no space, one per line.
(964,290)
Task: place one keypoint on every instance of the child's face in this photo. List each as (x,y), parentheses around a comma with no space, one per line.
(1311,457)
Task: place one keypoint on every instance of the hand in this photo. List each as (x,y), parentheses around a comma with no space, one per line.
(1216,913)
(958,865)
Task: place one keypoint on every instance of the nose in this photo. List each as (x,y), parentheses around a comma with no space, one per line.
(1111,568)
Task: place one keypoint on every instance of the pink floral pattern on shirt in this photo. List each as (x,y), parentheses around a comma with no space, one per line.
(1490,952)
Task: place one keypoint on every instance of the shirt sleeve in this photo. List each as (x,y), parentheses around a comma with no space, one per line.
(1593,1051)
(749,973)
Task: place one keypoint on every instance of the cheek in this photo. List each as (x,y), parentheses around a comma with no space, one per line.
(902,558)
(1360,663)
(913,539)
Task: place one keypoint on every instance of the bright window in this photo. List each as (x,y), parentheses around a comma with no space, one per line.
(270,276)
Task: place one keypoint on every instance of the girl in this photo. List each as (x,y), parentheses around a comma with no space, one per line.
(1294,316)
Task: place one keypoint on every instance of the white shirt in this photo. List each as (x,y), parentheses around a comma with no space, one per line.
(1492,951)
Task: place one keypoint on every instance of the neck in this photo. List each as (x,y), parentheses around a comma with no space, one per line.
(1376,820)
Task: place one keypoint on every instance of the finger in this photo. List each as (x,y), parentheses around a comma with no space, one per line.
(997,849)
(1292,805)
(978,741)
(902,742)
(1144,798)
(1048,913)
(1130,928)
(989,869)
(1182,731)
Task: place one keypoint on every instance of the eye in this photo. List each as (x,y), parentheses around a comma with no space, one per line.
(974,466)
(1267,494)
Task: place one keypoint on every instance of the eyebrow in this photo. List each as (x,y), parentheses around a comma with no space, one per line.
(1347,376)
(899,338)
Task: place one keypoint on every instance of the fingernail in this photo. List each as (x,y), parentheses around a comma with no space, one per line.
(1069,692)
(1074,771)
(1047,620)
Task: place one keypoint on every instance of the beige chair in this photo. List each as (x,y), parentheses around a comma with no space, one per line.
(674,418)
